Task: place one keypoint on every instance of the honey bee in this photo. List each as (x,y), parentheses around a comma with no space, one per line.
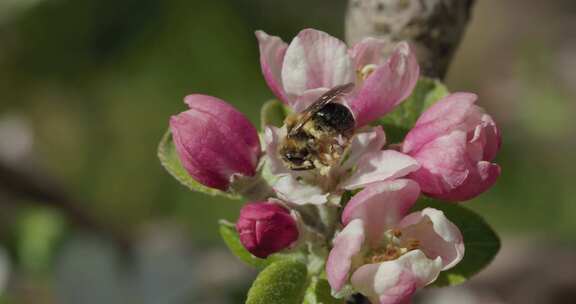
(318,136)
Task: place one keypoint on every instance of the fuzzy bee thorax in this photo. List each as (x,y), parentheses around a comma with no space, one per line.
(317,137)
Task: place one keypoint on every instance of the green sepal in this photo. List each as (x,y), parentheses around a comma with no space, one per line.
(232,241)
(273,113)
(171,162)
(230,237)
(398,122)
(318,292)
(282,282)
(480,241)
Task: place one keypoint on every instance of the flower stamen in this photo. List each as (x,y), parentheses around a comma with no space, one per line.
(412,244)
(365,71)
(394,247)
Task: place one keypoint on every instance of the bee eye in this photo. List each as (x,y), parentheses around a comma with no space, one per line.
(293,158)
(297,157)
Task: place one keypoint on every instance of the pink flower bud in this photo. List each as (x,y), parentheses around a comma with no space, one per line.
(215,141)
(266,228)
(454,141)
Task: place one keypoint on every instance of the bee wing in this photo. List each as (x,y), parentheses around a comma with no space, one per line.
(323,100)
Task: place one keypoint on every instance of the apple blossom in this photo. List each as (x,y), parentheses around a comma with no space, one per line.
(214,141)
(387,254)
(297,176)
(309,66)
(314,62)
(454,141)
(265,228)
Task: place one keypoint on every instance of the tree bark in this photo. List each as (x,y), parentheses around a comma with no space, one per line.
(433,27)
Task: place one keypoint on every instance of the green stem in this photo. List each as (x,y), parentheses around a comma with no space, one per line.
(253,188)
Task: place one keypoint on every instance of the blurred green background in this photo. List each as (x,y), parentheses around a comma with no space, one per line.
(86,91)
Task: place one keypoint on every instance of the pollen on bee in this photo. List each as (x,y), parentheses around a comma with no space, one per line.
(290,120)
(396,233)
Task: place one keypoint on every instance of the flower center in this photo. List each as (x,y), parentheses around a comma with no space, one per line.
(392,247)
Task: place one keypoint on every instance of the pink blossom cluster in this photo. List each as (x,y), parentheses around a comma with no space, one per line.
(377,246)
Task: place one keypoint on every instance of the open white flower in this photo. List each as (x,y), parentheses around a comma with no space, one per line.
(387,254)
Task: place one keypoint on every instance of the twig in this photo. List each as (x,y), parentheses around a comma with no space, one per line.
(42,190)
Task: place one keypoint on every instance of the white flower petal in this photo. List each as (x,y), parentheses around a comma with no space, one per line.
(288,188)
(315,59)
(347,244)
(393,282)
(364,142)
(380,166)
(438,236)
(272,136)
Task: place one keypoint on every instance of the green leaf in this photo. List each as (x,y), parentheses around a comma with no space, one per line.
(171,162)
(318,292)
(230,237)
(282,282)
(402,119)
(273,113)
(481,242)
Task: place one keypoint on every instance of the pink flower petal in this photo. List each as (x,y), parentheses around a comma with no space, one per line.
(214,141)
(454,140)
(446,159)
(381,206)
(347,244)
(481,178)
(491,139)
(394,282)
(380,166)
(445,115)
(229,117)
(453,108)
(368,51)
(448,173)
(364,142)
(315,59)
(272,51)
(396,287)
(438,236)
(387,86)
(265,228)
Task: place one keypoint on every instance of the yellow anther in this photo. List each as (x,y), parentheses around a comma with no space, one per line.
(364,72)
(412,244)
(367,70)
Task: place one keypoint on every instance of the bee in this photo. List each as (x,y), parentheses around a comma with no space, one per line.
(318,136)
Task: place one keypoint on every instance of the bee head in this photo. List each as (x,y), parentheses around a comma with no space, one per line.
(297,157)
